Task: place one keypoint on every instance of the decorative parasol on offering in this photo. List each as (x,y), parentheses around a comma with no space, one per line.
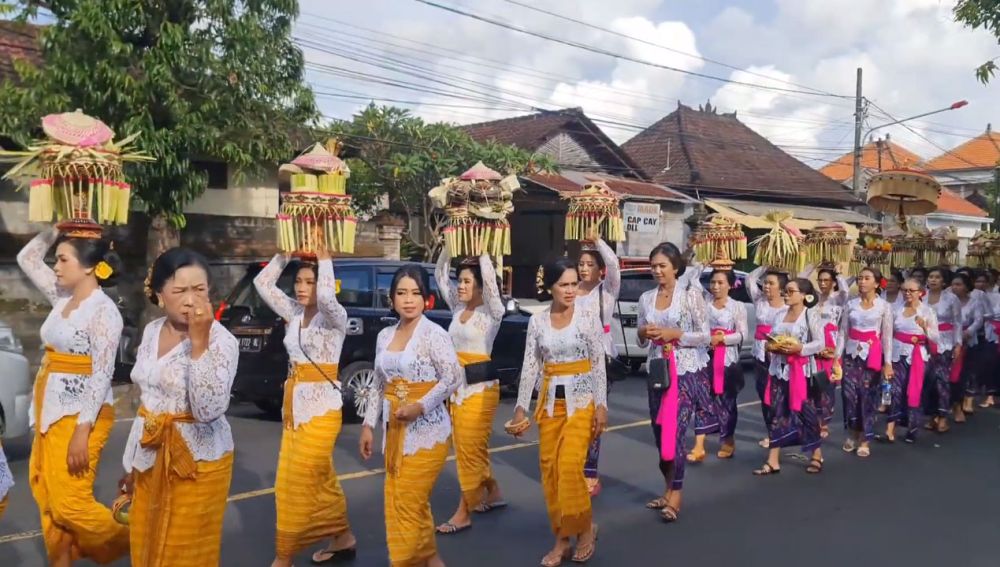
(477,204)
(780,247)
(827,245)
(873,250)
(317,214)
(719,239)
(903,192)
(594,210)
(75,175)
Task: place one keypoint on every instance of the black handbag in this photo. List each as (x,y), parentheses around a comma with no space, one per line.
(479,372)
(658,375)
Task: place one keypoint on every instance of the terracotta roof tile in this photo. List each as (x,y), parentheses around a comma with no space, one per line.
(951,203)
(718,155)
(893,156)
(569,181)
(981,152)
(530,132)
(17,41)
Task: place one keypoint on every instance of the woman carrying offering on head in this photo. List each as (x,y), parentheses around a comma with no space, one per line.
(309,501)
(564,354)
(179,455)
(833,295)
(767,303)
(476,313)
(416,371)
(727,321)
(72,405)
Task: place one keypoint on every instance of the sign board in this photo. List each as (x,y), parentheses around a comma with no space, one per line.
(642,217)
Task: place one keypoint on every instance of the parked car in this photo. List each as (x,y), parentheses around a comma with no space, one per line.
(636,281)
(15,385)
(127,346)
(364,292)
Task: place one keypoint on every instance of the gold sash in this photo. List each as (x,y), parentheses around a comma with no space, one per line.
(553,369)
(304,373)
(467,358)
(58,363)
(399,392)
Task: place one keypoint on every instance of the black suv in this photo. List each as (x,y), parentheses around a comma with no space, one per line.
(363,291)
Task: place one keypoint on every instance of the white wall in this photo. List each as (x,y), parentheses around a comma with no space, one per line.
(255,197)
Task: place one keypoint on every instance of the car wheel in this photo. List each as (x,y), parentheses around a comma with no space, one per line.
(270,407)
(358,380)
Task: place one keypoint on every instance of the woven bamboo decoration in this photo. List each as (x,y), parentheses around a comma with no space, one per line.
(477,204)
(827,244)
(75,175)
(718,237)
(780,248)
(316,215)
(594,210)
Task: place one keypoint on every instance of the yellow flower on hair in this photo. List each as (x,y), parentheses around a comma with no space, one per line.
(103,270)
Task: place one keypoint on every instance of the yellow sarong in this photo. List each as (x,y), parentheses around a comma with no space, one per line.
(72,521)
(409,479)
(302,373)
(190,526)
(307,495)
(472,425)
(563,442)
(3,505)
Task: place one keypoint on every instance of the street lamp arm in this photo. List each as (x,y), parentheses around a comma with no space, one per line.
(953,106)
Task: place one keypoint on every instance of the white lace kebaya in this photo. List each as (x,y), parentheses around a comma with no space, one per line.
(878,318)
(766,314)
(322,339)
(478,333)
(93,328)
(687,312)
(909,326)
(429,356)
(732,317)
(6,478)
(604,295)
(174,384)
(948,312)
(578,340)
(807,330)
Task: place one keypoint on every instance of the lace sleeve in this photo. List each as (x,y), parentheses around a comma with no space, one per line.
(956,316)
(845,326)
(613,277)
(817,341)
(104,331)
(375,393)
(449,372)
(531,369)
(598,371)
(491,291)
(930,317)
(31,259)
(442,273)
(740,320)
(699,335)
(266,283)
(978,312)
(642,319)
(326,296)
(887,330)
(753,284)
(210,377)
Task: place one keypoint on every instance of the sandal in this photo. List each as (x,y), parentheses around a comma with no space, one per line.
(486,507)
(815,466)
(552,560)
(987,404)
(693,457)
(588,551)
(593,486)
(932,425)
(767,470)
(335,556)
(942,426)
(657,503)
(824,432)
(726,452)
(449,528)
(864,452)
(849,446)
(669,514)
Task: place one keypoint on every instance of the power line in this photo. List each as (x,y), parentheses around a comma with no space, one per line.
(615,55)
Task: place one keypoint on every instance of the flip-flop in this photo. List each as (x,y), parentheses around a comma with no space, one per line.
(864,452)
(767,470)
(669,514)
(657,503)
(336,556)
(590,553)
(486,507)
(449,528)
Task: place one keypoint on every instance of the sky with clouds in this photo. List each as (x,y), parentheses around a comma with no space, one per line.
(787,67)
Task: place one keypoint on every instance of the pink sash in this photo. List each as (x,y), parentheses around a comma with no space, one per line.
(666,418)
(797,386)
(874,346)
(761,332)
(719,363)
(956,366)
(996,329)
(826,364)
(917,370)
(944,328)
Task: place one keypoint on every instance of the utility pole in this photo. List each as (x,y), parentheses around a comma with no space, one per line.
(858,124)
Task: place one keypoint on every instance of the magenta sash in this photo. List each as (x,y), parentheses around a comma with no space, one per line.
(917,369)
(996,329)
(874,346)
(719,363)
(944,328)
(761,332)
(666,418)
(829,341)
(797,387)
(956,366)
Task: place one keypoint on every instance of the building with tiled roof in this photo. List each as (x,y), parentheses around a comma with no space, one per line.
(972,169)
(17,41)
(875,156)
(704,153)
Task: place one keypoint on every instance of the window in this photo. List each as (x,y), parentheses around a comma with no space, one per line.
(355,286)
(217,171)
(634,285)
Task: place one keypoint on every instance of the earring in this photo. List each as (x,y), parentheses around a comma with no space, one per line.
(159,302)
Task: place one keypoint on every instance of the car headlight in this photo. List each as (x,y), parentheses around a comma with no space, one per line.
(9,341)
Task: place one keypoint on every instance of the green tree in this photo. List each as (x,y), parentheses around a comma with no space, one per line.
(984,14)
(401,157)
(199,80)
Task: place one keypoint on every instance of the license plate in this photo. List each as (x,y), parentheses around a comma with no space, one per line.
(251,344)
(630,320)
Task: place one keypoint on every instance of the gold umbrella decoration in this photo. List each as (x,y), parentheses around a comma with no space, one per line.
(477,204)
(872,250)
(903,192)
(316,215)
(780,247)
(75,175)
(594,210)
(719,239)
(827,245)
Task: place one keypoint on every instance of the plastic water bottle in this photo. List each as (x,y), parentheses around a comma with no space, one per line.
(886,394)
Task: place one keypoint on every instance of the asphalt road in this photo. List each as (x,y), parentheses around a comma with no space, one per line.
(934,503)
